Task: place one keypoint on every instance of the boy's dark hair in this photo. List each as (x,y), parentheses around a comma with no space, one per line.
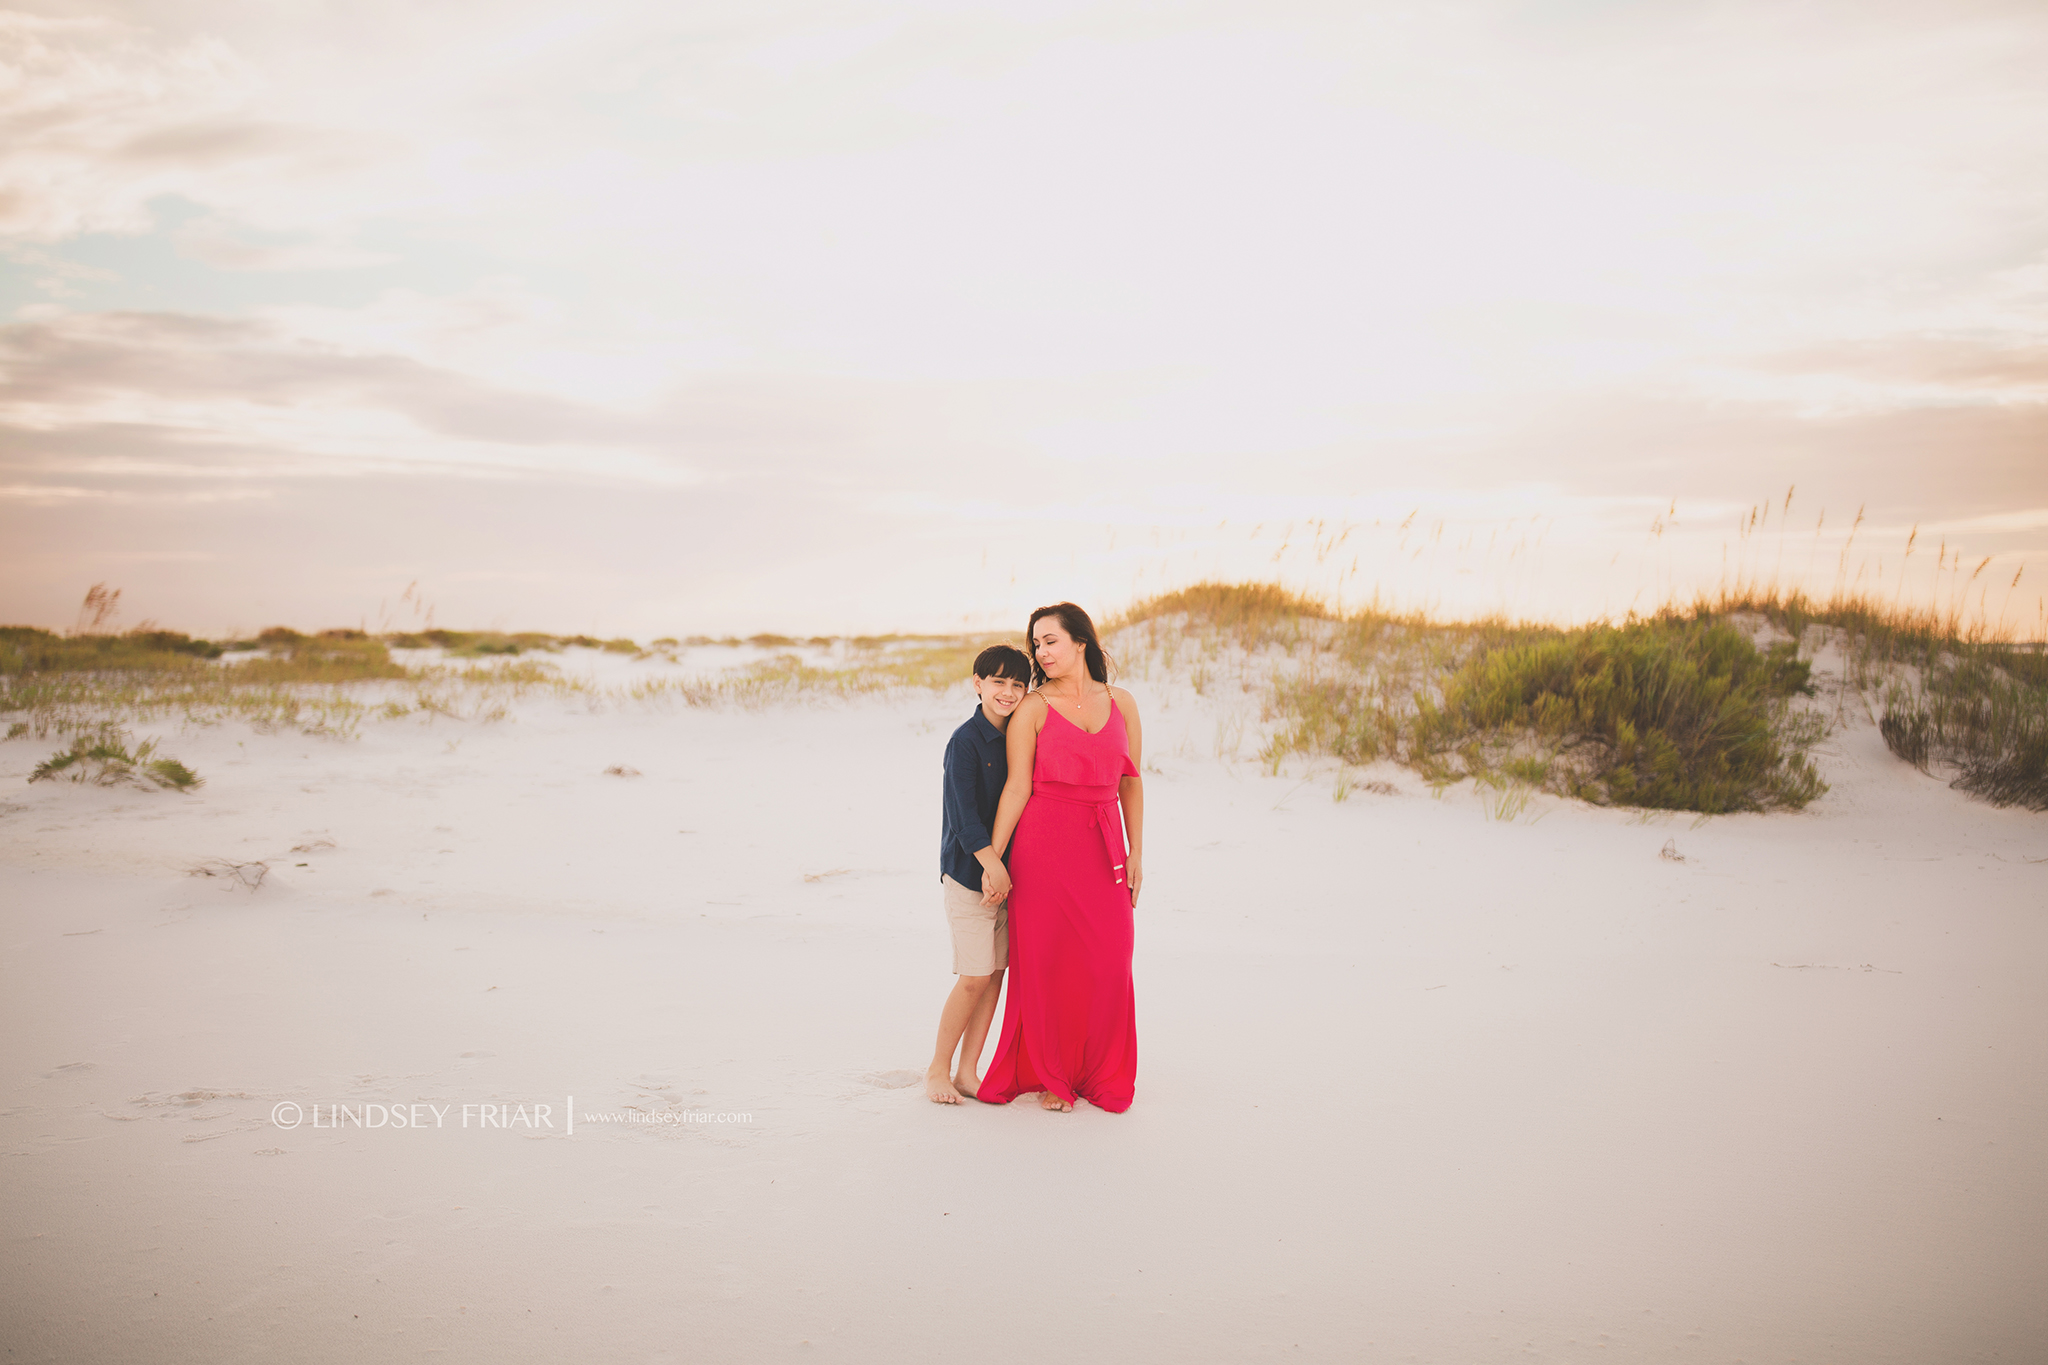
(1003,661)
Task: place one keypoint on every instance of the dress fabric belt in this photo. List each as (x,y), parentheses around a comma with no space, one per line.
(1108,815)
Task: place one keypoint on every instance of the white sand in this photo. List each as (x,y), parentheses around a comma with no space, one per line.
(1414,1084)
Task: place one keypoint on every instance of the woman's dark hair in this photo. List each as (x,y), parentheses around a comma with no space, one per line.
(1003,661)
(1077,625)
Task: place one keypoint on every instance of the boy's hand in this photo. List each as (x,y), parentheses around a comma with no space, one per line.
(995,884)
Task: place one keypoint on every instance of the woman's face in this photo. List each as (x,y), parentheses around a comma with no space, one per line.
(1057,652)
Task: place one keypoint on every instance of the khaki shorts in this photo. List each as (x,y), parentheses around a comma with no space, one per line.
(981,933)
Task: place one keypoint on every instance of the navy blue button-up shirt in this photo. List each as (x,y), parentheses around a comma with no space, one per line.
(977,766)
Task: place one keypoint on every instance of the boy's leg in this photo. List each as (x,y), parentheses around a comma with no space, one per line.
(995,920)
(962,1006)
(967,1076)
(977,952)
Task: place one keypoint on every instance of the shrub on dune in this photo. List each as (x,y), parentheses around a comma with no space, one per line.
(1674,712)
(1965,698)
(1979,717)
(27,650)
(1666,714)
(329,657)
(105,760)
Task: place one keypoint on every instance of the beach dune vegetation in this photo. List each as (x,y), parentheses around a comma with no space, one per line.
(1696,707)
(1679,712)
(1668,714)
(27,650)
(1956,697)
(473,644)
(105,759)
(332,656)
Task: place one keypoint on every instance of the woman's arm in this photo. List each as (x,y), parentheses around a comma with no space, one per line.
(1130,791)
(1020,746)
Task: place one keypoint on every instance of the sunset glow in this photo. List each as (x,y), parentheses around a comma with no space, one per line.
(862,317)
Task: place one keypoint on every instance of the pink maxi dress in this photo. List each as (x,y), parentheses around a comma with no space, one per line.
(1070,1023)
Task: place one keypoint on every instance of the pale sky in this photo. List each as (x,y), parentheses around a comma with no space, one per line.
(834,317)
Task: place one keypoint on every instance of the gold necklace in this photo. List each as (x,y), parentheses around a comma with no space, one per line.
(1075,703)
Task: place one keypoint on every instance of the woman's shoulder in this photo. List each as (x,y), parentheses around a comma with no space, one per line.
(1122,697)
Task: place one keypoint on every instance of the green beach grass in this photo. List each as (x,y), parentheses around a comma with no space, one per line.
(109,758)
(1678,711)
(1675,711)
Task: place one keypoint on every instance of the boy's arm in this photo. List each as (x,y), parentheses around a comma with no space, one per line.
(961,812)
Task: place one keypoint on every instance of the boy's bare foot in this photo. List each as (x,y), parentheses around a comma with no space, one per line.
(1048,1100)
(938,1089)
(968,1084)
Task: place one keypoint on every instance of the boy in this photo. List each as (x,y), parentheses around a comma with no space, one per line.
(972,876)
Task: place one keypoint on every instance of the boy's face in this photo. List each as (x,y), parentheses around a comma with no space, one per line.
(999,694)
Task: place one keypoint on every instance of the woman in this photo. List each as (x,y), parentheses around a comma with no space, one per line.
(1070,1025)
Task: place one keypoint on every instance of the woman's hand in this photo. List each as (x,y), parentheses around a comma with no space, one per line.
(1130,791)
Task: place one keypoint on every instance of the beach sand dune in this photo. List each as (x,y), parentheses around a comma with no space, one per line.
(1413,1083)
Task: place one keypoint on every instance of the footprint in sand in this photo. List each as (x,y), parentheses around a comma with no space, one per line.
(892,1080)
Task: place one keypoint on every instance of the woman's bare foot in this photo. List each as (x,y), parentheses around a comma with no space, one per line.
(1048,1100)
(968,1084)
(938,1089)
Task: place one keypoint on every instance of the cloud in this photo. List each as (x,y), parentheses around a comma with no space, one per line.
(2007,366)
(99,117)
(75,94)
(929,270)
(217,243)
(1945,459)
(212,143)
(2031,519)
(144,397)
(69,364)
(56,277)
(178,396)
(48,493)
